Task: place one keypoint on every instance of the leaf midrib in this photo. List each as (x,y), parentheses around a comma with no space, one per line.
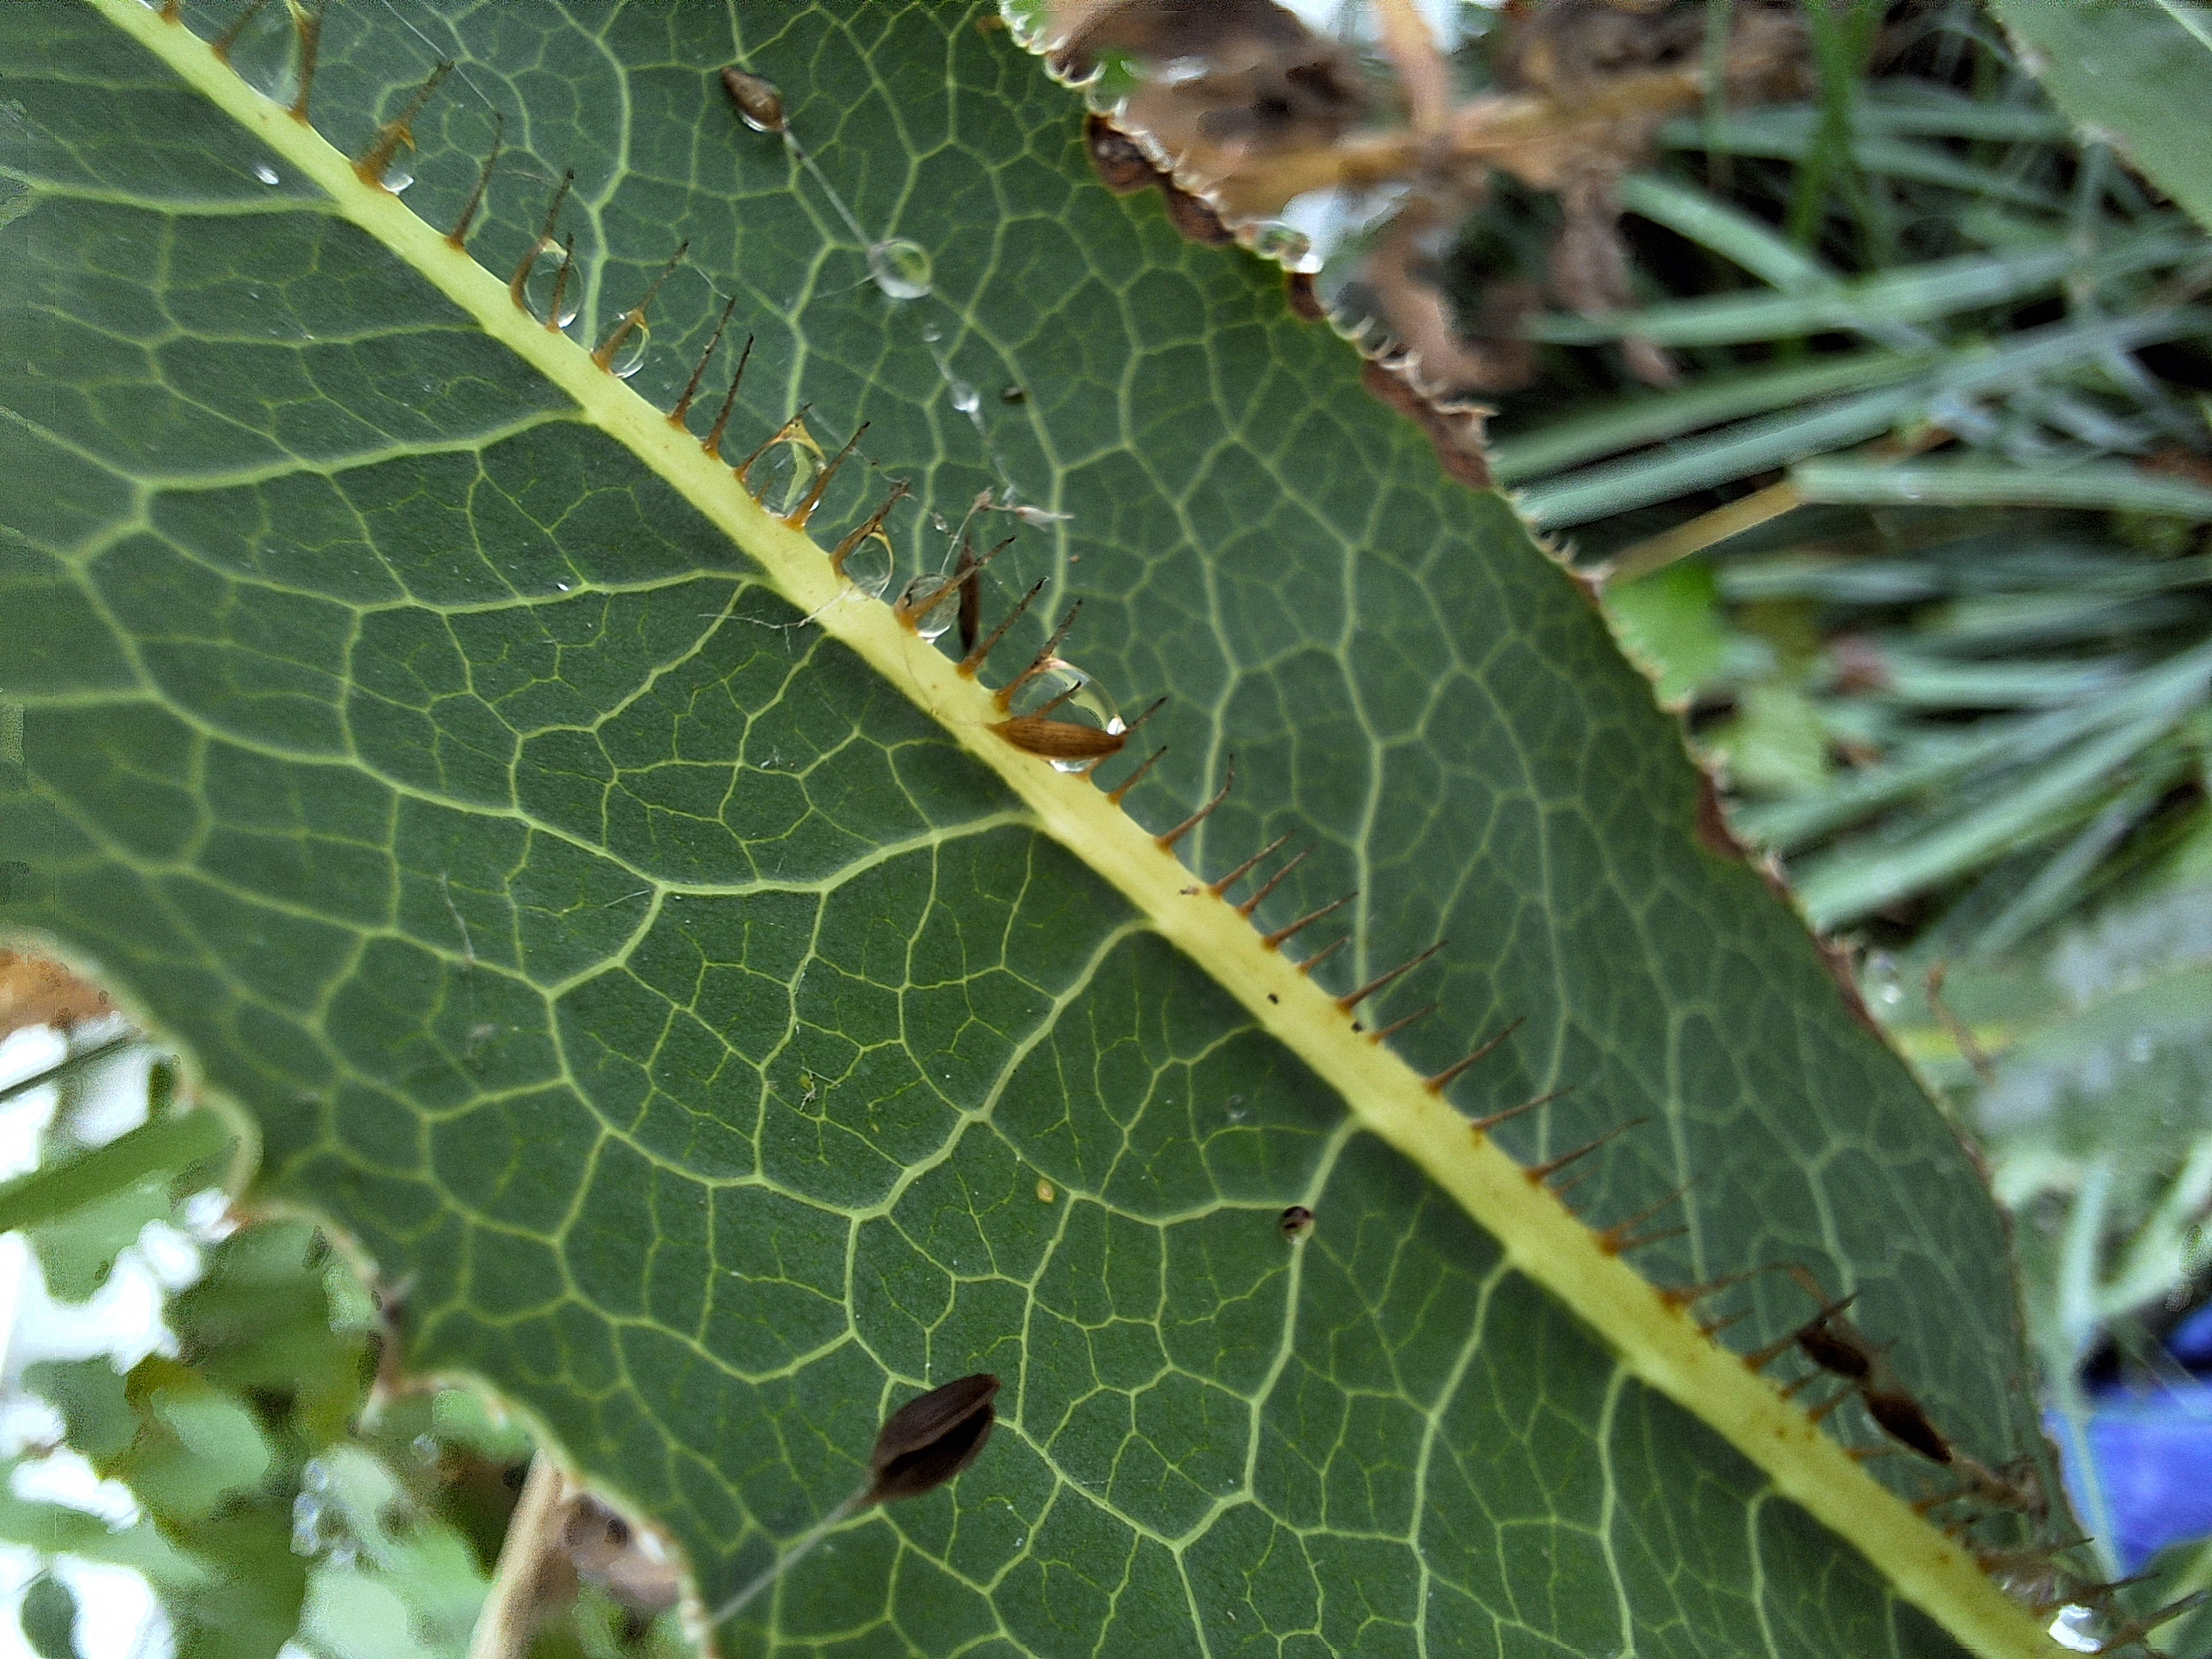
(1654,1338)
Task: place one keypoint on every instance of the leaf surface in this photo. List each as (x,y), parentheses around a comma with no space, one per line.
(2126,70)
(720,1041)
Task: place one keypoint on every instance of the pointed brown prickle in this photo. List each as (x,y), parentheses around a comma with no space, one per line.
(1273,882)
(308,30)
(1274,940)
(370,167)
(1217,888)
(1550,1167)
(1151,709)
(1352,1000)
(1443,1079)
(691,386)
(1047,657)
(1119,791)
(1688,1296)
(1166,842)
(712,443)
(458,237)
(869,526)
(1324,954)
(981,654)
(1483,1126)
(1713,1327)
(1621,1237)
(1384,1033)
(1820,1413)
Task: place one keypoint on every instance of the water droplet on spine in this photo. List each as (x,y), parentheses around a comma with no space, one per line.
(900,268)
(780,477)
(868,568)
(631,354)
(544,276)
(1069,695)
(264,53)
(930,624)
(1290,247)
(396,176)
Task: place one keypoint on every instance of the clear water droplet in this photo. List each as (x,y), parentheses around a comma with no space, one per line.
(868,568)
(919,591)
(780,479)
(544,277)
(1062,691)
(1237,1113)
(307,1524)
(930,333)
(629,356)
(966,398)
(267,174)
(396,176)
(1286,245)
(900,268)
(264,54)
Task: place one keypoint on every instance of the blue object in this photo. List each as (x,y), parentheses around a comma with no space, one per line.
(2152,1453)
(2191,1339)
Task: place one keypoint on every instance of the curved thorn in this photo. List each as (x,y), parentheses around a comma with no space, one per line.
(1382,1034)
(545,240)
(691,386)
(1614,1240)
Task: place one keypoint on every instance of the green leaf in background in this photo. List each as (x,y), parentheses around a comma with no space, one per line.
(715,1049)
(2121,70)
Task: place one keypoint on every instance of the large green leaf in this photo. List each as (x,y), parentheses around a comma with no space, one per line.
(643,946)
(2132,72)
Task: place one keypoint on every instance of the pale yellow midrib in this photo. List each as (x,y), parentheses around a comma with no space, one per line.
(1657,1342)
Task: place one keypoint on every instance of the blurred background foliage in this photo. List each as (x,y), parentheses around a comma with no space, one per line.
(1879,396)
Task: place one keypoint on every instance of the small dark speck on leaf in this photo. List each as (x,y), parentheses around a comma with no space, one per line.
(1013,394)
(925,1441)
(1297,1222)
(1272,997)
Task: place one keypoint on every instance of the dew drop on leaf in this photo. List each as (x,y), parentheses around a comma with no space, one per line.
(934,592)
(868,568)
(900,268)
(631,354)
(538,288)
(396,176)
(266,175)
(966,398)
